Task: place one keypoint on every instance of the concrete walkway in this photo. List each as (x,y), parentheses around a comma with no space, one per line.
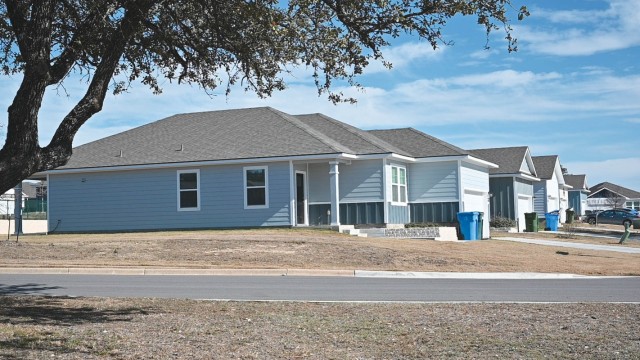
(574,245)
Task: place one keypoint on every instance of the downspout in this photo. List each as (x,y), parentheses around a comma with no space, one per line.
(516,203)
(460,191)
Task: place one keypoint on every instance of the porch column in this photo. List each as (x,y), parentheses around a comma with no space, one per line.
(335,193)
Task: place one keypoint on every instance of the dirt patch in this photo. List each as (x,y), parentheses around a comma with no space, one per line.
(305,249)
(87,328)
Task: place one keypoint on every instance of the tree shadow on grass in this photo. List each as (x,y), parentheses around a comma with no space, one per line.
(23,318)
(60,311)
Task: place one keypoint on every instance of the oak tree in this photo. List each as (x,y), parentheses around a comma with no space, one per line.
(212,43)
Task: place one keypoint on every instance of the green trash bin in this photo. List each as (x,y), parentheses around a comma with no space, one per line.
(531,222)
(636,224)
(570,215)
(480,226)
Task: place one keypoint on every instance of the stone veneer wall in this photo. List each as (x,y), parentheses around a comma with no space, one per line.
(429,232)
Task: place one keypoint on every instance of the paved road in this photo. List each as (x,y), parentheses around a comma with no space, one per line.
(317,288)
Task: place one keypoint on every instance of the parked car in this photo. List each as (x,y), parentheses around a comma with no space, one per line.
(615,216)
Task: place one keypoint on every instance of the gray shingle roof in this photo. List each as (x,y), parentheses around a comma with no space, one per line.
(249,134)
(215,135)
(545,165)
(509,159)
(578,182)
(417,144)
(626,192)
(360,141)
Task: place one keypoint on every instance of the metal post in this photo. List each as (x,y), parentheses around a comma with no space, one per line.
(17,210)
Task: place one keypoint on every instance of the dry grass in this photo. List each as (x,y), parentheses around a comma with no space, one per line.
(305,249)
(63,328)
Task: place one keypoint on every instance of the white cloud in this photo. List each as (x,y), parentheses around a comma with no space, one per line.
(609,29)
(501,96)
(404,54)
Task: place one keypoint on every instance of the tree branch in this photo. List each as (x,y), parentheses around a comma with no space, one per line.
(59,149)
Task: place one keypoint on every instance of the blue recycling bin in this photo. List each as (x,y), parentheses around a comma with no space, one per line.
(552,221)
(469,225)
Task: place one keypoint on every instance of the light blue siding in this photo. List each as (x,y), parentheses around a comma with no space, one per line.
(575,201)
(474,177)
(540,198)
(147,200)
(361,181)
(318,179)
(524,187)
(429,182)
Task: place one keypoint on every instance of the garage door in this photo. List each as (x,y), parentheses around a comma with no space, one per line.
(476,201)
(524,206)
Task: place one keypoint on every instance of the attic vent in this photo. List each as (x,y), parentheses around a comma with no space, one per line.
(121,154)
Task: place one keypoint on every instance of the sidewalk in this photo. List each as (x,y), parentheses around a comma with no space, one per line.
(621,248)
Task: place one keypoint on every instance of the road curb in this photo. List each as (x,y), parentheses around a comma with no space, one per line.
(295,272)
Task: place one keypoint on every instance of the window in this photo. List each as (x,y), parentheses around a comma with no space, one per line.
(256,182)
(398,184)
(632,205)
(188,190)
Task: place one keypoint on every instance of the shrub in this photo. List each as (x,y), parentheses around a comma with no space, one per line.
(421,225)
(502,222)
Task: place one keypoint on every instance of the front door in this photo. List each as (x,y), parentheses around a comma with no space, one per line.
(301,199)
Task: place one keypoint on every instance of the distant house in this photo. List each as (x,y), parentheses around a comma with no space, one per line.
(7,200)
(606,195)
(511,184)
(550,194)
(578,193)
(262,167)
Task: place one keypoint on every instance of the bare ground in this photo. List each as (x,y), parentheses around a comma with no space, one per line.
(88,328)
(307,249)
(92,328)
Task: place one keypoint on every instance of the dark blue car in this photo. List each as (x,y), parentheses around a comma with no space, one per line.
(614,216)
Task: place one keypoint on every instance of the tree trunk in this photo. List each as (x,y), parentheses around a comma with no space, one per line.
(21,155)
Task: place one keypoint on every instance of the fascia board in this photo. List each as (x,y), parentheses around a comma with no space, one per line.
(339,156)
(522,176)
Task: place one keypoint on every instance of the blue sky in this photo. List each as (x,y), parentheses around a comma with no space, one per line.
(572,89)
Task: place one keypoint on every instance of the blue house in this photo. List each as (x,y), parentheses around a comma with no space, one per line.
(578,193)
(262,167)
(511,184)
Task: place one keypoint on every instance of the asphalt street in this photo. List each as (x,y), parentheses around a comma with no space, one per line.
(319,288)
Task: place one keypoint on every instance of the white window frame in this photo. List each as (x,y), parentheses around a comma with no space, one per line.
(190,171)
(401,187)
(246,188)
